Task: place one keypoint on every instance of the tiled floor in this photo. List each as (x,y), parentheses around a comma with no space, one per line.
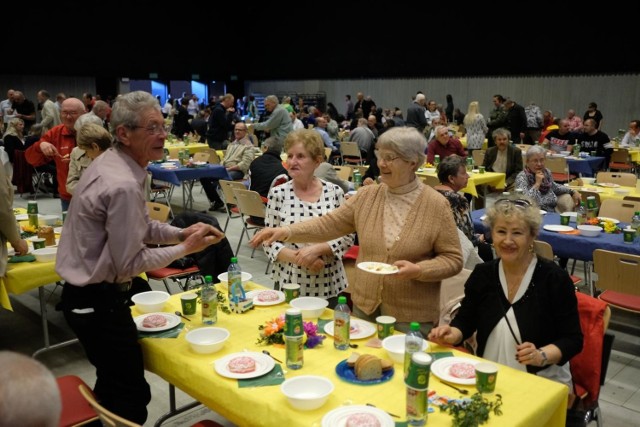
(21,331)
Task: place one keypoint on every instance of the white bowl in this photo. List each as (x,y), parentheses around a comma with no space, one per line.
(589,230)
(151,301)
(48,219)
(307,392)
(245,277)
(588,180)
(565,153)
(621,191)
(207,340)
(311,307)
(45,254)
(395,347)
(430,170)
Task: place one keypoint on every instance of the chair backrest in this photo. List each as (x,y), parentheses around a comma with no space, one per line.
(278,180)
(343,172)
(250,203)
(107,417)
(543,249)
(557,165)
(75,408)
(625,179)
(478,157)
(202,156)
(327,153)
(617,272)
(586,194)
(158,211)
(214,159)
(431,181)
(351,150)
(228,188)
(620,155)
(621,210)
(631,198)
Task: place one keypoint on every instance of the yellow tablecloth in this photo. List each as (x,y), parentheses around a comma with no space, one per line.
(634,153)
(528,400)
(25,276)
(192,148)
(494,179)
(609,193)
(463,141)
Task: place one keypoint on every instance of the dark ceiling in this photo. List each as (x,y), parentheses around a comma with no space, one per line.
(324,40)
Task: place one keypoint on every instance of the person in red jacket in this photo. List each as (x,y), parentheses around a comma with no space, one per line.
(57,144)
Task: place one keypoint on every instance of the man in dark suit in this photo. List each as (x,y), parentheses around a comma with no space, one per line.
(504,157)
(516,120)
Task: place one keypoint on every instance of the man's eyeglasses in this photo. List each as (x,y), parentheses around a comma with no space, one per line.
(240,130)
(387,158)
(521,203)
(154,129)
(69,113)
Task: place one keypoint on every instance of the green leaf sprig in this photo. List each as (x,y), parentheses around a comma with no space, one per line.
(472,412)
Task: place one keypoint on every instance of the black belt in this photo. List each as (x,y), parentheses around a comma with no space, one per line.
(108,287)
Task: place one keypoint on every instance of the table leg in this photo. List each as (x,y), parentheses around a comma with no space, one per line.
(173,411)
(45,326)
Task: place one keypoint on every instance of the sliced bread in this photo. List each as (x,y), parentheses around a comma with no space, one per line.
(368,367)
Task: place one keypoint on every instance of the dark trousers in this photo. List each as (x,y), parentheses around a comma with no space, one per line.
(210,186)
(110,340)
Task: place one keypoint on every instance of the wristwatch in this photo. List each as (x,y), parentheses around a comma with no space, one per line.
(544,357)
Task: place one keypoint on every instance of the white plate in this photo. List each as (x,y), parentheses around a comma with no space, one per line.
(440,368)
(378,268)
(172,322)
(543,212)
(359,329)
(245,276)
(592,189)
(22,217)
(256,301)
(338,417)
(264,365)
(552,227)
(606,218)
(57,230)
(609,185)
(571,215)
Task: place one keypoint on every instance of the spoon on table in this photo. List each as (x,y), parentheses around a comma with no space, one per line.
(182,315)
(393,415)
(269,354)
(460,390)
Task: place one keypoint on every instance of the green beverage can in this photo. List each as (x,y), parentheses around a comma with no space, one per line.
(293,323)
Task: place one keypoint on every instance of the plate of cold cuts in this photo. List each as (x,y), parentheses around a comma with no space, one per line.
(266,297)
(457,370)
(246,364)
(357,415)
(156,322)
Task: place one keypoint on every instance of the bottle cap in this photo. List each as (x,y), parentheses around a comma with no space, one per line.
(414,326)
(234,259)
(342,300)
(208,278)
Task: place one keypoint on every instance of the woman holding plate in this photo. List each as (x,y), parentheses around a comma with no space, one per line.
(402,222)
(522,308)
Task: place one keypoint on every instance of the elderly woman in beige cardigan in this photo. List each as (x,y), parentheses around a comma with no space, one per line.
(401,222)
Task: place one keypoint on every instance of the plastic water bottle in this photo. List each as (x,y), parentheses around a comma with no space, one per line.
(412,344)
(234,277)
(635,223)
(581,217)
(341,324)
(592,207)
(209,298)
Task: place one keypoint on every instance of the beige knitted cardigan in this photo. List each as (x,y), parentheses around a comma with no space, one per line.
(429,239)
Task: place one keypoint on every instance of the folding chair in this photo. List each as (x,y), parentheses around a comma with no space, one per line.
(478,157)
(350,153)
(621,161)
(230,203)
(202,156)
(158,211)
(343,172)
(559,169)
(625,179)
(621,210)
(76,410)
(250,204)
(617,279)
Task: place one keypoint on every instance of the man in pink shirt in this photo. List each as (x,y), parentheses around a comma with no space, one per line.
(575,123)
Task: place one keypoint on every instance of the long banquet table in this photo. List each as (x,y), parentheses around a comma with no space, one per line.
(495,179)
(528,400)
